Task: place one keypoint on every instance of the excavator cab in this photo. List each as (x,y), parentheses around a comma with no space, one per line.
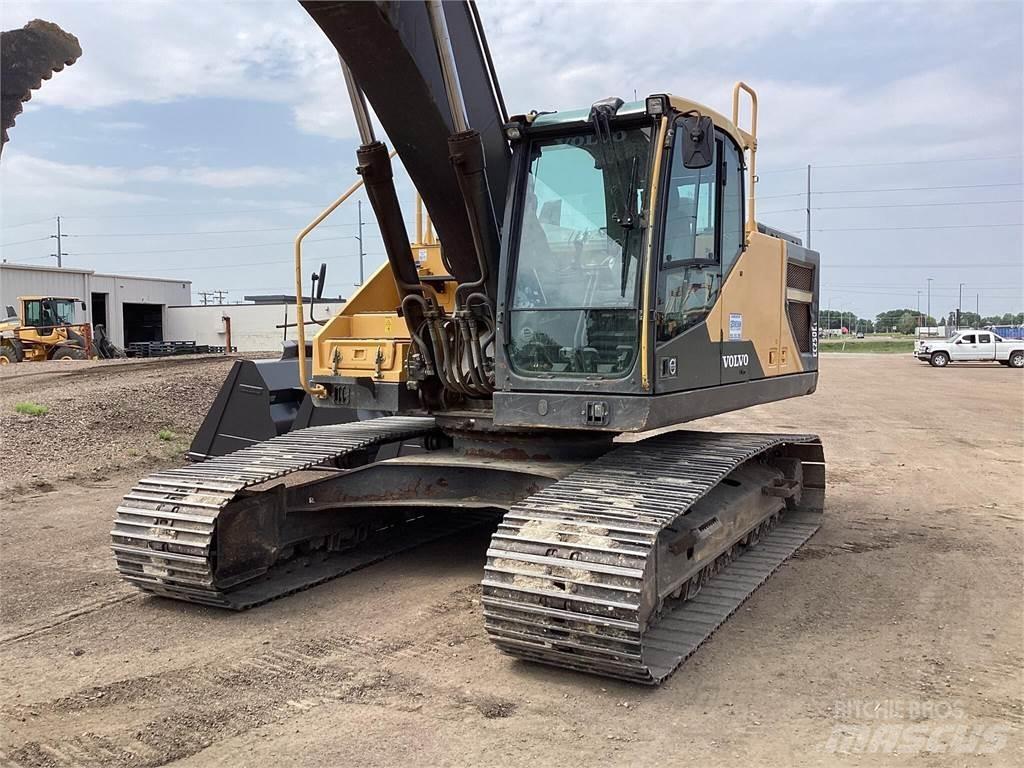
(638,290)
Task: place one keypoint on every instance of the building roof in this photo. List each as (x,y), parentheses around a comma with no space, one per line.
(74,271)
(283,298)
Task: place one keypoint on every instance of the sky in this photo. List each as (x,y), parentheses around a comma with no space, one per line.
(193,139)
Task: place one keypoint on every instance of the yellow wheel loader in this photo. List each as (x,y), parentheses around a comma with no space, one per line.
(578,279)
(45,330)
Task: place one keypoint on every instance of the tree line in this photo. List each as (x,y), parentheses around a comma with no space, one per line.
(908,320)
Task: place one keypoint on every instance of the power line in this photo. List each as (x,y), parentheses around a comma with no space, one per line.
(196,250)
(898,162)
(891,189)
(209,232)
(890,205)
(905,265)
(940,226)
(22,242)
(26,223)
(200,213)
(232,265)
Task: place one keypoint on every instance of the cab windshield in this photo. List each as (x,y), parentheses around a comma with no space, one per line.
(47,312)
(574,303)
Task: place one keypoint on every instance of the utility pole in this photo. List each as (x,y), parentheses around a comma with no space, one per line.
(205,296)
(59,255)
(221,295)
(977,306)
(808,205)
(959,306)
(930,301)
(919,308)
(359,209)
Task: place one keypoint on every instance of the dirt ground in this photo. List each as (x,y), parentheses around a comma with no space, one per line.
(107,413)
(894,637)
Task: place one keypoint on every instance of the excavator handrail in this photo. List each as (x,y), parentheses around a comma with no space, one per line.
(751,218)
(314,390)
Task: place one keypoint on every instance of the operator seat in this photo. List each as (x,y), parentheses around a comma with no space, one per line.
(680,228)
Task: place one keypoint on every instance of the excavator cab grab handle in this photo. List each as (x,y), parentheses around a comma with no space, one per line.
(751,144)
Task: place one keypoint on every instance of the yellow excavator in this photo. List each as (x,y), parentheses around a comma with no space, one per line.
(580,284)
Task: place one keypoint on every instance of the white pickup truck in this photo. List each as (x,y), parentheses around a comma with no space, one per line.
(970,345)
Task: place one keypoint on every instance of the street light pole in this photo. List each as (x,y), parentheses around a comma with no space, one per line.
(929,310)
(808,206)
(959,306)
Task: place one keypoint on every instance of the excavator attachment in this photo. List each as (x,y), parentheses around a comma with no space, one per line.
(27,57)
(258,400)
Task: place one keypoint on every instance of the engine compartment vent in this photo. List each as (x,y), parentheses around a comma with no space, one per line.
(800,321)
(799,277)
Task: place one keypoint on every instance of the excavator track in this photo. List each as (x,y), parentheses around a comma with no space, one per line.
(164,538)
(572,574)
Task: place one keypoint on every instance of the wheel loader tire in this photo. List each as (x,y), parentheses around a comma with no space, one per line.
(939,359)
(11,351)
(69,353)
(1016,359)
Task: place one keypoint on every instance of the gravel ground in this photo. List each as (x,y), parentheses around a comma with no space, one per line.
(894,637)
(103,416)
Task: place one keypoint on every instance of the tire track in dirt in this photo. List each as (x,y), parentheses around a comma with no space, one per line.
(201,704)
(62,618)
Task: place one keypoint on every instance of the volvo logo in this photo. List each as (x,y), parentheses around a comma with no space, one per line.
(735,361)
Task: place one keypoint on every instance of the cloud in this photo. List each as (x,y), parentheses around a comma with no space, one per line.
(21,170)
(120,125)
(162,51)
(551,56)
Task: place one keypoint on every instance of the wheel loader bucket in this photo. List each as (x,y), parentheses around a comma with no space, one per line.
(259,399)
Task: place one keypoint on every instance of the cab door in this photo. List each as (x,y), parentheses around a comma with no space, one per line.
(689,277)
(965,348)
(986,346)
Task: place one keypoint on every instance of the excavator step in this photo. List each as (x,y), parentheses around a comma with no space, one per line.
(580,575)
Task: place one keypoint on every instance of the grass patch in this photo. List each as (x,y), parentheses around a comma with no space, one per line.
(867,345)
(166,435)
(31,409)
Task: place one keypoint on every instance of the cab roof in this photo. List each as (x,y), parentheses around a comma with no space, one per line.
(634,108)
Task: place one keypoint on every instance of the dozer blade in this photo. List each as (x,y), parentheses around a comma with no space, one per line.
(625,567)
(214,532)
(258,400)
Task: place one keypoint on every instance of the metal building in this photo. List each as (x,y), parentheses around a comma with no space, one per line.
(130,308)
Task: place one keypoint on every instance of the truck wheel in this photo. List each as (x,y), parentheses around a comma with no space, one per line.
(69,353)
(939,359)
(11,351)
(1017,358)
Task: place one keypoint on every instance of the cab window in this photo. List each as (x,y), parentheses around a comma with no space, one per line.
(732,205)
(984,338)
(703,236)
(966,339)
(33,313)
